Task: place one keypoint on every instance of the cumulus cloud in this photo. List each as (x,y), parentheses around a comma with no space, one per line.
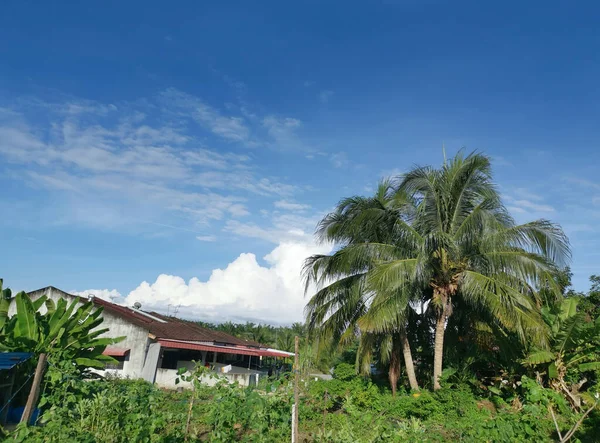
(244,290)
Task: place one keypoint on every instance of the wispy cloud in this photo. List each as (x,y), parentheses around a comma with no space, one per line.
(583,182)
(527,194)
(231,128)
(339,159)
(291,206)
(325,96)
(284,227)
(526,204)
(116,166)
(207,238)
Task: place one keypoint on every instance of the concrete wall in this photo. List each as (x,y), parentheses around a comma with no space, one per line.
(165,378)
(136,340)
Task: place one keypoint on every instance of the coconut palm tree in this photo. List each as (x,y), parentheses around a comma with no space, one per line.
(467,251)
(365,231)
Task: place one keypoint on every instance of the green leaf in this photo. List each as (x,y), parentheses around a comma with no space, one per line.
(91,363)
(37,304)
(568,308)
(590,366)
(540,357)
(495,390)
(26,319)
(552,370)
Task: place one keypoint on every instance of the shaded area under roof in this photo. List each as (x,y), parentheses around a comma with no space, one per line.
(9,360)
(239,350)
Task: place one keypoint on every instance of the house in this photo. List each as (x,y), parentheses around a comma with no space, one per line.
(156,346)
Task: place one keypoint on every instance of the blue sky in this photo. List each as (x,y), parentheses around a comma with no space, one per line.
(182,153)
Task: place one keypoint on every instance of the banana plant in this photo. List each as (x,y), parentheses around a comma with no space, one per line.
(64,331)
(574,349)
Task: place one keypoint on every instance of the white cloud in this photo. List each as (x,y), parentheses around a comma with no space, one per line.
(238,210)
(526,204)
(244,290)
(250,230)
(291,227)
(111,295)
(583,182)
(526,194)
(516,209)
(339,159)
(125,170)
(291,206)
(232,128)
(209,238)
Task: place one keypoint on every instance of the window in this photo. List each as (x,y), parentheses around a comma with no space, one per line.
(169,360)
(119,364)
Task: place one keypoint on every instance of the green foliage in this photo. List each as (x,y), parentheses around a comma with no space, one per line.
(5,296)
(108,411)
(574,348)
(351,410)
(344,372)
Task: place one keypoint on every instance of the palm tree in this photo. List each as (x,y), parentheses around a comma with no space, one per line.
(365,230)
(388,347)
(467,251)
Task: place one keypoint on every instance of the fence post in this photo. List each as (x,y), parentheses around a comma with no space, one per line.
(35,390)
(296,377)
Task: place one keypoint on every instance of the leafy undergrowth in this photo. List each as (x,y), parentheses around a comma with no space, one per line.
(340,410)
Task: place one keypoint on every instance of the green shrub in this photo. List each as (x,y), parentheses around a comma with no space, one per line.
(344,372)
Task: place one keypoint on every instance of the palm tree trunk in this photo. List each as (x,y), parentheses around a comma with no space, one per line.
(438,349)
(394,371)
(408,363)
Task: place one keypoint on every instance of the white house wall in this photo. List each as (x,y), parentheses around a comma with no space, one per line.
(136,340)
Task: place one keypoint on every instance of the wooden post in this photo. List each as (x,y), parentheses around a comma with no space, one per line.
(190,408)
(324,413)
(35,390)
(296,404)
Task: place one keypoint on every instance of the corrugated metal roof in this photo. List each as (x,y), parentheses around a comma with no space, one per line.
(9,360)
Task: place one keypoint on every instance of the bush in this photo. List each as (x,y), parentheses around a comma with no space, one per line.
(344,372)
